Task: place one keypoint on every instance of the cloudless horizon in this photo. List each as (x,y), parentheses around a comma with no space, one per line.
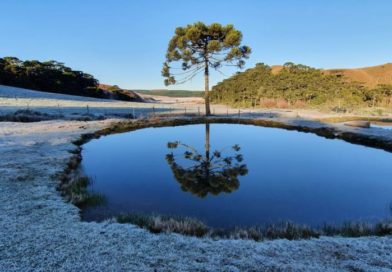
(124,42)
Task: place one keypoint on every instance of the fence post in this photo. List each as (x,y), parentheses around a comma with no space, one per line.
(198,111)
(185,110)
(153,111)
(239,113)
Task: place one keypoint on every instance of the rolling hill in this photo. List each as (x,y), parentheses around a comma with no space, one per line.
(297,85)
(366,76)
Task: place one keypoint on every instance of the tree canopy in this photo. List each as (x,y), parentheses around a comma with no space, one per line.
(51,76)
(54,76)
(197,47)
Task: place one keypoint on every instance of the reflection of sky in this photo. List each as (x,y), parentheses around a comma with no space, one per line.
(389,126)
(292,176)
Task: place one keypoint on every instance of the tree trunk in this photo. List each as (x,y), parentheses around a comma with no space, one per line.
(207,164)
(206,89)
(207,142)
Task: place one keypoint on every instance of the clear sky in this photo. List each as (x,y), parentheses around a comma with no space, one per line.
(123,42)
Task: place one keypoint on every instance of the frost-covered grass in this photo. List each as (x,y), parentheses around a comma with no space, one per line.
(41,232)
(20,93)
(71,107)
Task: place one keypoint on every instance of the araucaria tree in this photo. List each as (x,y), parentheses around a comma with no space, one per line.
(199,47)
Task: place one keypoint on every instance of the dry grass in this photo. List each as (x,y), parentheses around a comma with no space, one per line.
(76,192)
(167,224)
(280,103)
(74,186)
(369,76)
(358,229)
(194,227)
(284,230)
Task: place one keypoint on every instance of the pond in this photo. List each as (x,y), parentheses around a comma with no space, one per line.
(229,175)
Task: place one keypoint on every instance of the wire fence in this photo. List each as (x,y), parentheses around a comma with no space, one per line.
(146,110)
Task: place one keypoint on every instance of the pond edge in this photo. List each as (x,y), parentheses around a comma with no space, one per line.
(75,191)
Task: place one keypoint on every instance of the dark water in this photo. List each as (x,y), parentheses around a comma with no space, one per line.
(284,175)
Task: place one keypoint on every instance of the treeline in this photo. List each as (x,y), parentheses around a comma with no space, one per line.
(296,85)
(52,76)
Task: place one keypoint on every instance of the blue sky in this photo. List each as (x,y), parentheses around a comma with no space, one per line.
(123,42)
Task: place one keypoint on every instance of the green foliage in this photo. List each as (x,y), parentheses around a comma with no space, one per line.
(55,77)
(199,46)
(295,85)
(48,76)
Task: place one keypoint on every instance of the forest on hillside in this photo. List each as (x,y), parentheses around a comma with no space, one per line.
(299,86)
(54,76)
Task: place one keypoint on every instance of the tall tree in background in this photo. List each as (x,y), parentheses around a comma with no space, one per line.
(198,47)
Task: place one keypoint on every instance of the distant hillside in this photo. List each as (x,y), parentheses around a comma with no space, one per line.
(115,92)
(367,76)
(172,93)
(54,77)
(296,85)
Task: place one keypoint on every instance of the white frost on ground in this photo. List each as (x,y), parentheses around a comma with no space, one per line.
(40,232)
(13,98)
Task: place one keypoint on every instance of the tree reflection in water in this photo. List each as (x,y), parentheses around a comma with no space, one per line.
(206,174)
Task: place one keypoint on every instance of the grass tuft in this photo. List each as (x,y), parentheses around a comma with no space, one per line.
(284,230)
(76,191)
(157,224)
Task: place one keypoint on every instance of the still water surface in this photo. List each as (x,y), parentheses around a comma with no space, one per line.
(271,175)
